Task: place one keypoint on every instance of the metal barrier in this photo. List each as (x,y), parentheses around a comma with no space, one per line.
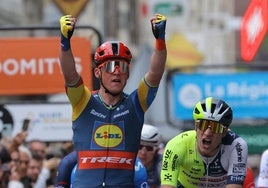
(33,28)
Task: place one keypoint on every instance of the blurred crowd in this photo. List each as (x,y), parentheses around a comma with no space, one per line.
(30,164)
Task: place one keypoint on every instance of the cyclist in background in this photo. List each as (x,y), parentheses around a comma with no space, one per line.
(249,179)
(149,153)
(104,160)
(64,171)
(263,175)
(210,156)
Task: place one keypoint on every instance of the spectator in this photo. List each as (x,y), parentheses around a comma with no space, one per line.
(25,157)
(34,168)
(9,146)
(11,168)
(38,147)
(149,154)
(48,173)
(18,168)
(15,160)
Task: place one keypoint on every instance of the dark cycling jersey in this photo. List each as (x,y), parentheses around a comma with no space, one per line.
(183,166)
(154,172)
(67,168)
(107,137)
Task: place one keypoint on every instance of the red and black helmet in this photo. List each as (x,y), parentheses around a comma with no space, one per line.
(112,50)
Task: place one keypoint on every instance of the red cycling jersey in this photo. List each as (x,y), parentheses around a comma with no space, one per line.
(249,179)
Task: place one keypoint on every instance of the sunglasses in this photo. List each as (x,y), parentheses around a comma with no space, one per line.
(148,148)
(214,126)
(111,66)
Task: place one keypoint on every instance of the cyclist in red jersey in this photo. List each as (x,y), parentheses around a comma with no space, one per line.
(249,179)
(107,124)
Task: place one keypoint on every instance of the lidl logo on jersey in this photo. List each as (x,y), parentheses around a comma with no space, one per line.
(108,136)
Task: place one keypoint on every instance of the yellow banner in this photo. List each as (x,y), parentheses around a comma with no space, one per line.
(72,7)
(182,53)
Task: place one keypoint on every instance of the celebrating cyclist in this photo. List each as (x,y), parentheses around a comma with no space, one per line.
(107,124)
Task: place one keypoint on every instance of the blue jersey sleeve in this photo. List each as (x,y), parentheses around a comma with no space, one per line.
(65,168)
(140,176)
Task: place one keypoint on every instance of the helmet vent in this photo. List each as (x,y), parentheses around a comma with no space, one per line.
(224,107)
(115,48)
(196,111)
(213,106)
(101,53)
(204,107)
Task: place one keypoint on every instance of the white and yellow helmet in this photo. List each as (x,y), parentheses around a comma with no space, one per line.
(214,110)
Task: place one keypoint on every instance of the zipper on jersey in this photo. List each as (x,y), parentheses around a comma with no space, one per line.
(107,148)
(207,163)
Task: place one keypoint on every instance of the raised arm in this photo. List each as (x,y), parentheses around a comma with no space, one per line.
(67,62)
(159,56)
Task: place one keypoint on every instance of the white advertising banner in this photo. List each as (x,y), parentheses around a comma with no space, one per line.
(48,122)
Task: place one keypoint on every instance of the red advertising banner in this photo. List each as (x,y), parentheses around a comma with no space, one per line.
(253,28)
(31,65)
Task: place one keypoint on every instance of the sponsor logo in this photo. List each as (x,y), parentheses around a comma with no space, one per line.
(93,112)
(108,136)
(174,162)
(164,165)
(121,114)
(168,154)
(138,166)
(168,177)
(239,168)
(237,178)
(100,159)
(239,152)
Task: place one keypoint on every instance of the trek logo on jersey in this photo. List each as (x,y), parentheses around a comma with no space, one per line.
(106,159)
(108,136)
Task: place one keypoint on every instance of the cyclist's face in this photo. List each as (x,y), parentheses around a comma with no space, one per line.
(146,154)
(208,141)
(114,81)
